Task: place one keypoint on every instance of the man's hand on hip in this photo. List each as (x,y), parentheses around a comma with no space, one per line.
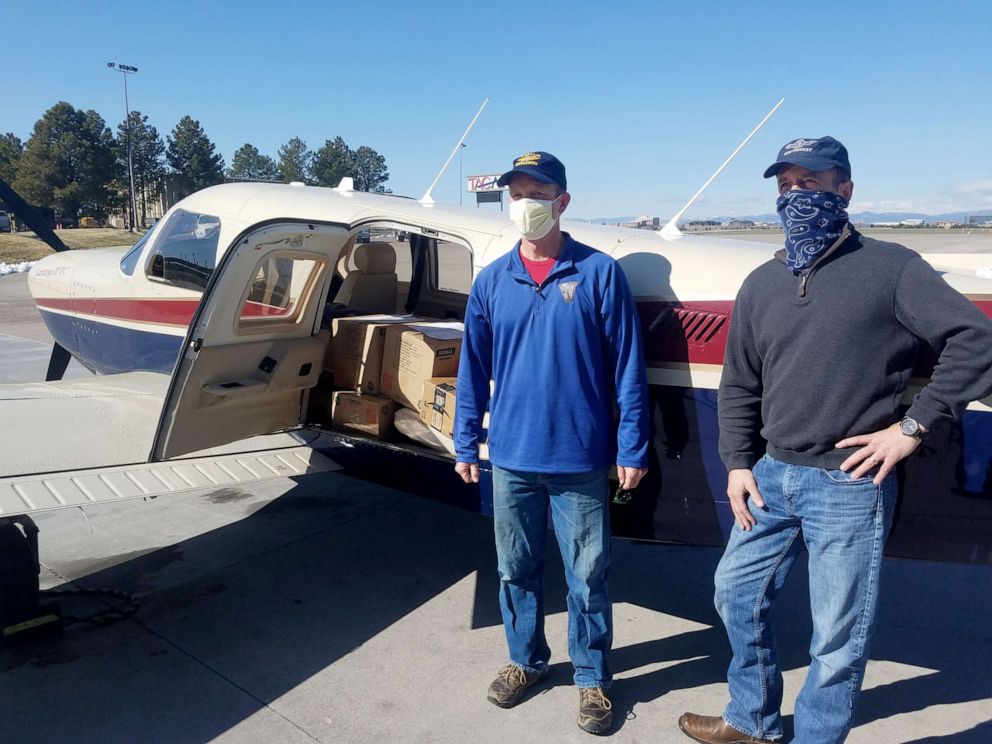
(740,486)
(469,471)
(630,477)
(882,449)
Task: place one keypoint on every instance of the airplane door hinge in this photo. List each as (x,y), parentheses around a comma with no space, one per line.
(196,344)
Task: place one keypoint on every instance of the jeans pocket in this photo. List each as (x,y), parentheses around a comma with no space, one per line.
(841,478)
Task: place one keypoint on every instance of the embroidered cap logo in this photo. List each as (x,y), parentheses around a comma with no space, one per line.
(799,145)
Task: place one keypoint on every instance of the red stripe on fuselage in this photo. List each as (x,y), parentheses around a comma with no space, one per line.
(696,332)
(684,332)
(169,312)
(985,305)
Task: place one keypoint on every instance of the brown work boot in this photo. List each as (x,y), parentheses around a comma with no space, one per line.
(595,710)
(509,685)
(714,730)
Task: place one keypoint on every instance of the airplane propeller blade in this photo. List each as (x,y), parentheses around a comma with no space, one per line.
(57,363)
(30,217)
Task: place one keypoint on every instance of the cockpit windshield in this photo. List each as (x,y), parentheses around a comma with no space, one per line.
(130,259)
(185,253)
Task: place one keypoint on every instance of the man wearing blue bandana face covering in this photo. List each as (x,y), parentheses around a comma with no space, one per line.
(552,324)
(822,343)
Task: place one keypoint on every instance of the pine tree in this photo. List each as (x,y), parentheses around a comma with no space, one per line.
(147,159)
(332,162)
(369,170)
(248,163)
(192,158)
(295,160)
(11,149)
(70,162)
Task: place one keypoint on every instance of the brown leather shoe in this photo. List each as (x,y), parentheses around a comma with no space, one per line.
(511,683)
(714,730)
(595,710)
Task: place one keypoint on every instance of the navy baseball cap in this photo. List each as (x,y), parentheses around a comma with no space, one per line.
(541,166)
(813,154)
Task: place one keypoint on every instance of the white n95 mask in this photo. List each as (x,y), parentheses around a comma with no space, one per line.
(533,217)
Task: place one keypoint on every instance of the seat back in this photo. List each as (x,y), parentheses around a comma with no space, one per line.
(372,285)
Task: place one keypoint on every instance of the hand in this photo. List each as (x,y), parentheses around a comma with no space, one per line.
(884,449)
(469,471)
(630,477)
(741,485)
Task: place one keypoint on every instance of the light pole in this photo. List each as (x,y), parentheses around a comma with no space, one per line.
(126,70)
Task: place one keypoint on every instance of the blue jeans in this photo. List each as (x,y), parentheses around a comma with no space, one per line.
(843,524)
(580,514)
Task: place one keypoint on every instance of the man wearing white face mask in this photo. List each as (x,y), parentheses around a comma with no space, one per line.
(822,344)
(553,325)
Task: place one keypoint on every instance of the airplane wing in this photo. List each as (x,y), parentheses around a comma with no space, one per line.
(78,423)
(86,441)
(29,494)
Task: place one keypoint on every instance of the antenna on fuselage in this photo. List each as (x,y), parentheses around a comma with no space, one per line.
(671,228)
(427,198)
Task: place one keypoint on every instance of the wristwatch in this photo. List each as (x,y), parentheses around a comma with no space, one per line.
(911,428)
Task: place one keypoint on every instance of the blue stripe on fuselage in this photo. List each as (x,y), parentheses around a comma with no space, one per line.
(109,349)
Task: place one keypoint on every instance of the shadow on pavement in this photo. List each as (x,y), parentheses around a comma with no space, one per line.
(235,618)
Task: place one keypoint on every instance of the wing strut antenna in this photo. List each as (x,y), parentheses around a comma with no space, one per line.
(671,228)
(427,198)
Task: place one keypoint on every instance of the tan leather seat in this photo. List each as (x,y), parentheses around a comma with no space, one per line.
(372,285)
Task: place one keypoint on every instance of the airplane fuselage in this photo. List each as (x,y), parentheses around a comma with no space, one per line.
(118,311)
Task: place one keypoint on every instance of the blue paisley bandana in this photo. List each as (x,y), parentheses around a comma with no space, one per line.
(813,220)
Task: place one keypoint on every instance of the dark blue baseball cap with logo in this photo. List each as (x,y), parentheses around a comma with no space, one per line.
(813,154)
(541,166)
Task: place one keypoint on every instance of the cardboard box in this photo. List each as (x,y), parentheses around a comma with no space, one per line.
(416,352)
(437,407)
(356,350)
(368,414)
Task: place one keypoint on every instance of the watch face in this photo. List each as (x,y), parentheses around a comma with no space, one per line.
(909,427)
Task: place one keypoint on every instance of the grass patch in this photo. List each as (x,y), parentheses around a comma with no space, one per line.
(26,246)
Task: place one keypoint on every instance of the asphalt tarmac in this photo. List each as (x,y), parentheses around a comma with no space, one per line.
(326,609)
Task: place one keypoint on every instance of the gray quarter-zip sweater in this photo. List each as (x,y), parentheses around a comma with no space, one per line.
(815,358)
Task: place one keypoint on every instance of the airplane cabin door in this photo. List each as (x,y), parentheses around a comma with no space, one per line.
(255,346)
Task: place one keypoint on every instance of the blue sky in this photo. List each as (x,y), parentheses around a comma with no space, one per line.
(641,100)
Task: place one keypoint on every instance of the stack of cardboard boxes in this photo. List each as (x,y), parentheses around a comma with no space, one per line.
(383,362)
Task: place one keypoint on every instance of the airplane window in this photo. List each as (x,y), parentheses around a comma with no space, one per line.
(454,268)
(186,251)
(271,285)
(279,291)
(130,260)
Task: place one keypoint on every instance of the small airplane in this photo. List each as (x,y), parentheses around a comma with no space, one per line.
(222,308)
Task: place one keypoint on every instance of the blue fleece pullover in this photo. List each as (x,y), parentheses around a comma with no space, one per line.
(560,354)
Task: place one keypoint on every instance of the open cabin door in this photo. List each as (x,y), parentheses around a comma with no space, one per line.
(254,347)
